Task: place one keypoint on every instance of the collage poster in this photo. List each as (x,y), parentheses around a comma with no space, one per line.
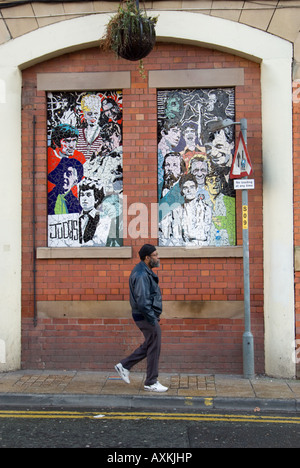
(195,194)
(85,169)
(196,199)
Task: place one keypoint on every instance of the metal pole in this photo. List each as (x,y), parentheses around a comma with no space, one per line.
(248,345)
(34,223)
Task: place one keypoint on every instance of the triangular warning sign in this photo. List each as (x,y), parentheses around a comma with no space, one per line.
(241,164)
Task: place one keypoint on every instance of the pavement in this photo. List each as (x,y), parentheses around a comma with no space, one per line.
(81,389)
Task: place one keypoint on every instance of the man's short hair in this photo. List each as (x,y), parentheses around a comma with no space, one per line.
(90,184)
(61,132)
(186,178)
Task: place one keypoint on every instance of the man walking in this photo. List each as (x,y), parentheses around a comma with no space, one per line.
(146,304)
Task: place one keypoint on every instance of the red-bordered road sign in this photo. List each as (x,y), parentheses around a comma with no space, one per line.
(241,163)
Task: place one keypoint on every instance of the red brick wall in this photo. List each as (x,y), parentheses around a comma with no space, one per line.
(189,345)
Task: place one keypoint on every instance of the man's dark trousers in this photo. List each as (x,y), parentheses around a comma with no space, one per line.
(150,349)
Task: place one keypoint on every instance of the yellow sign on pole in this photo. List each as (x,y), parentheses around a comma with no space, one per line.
(245,216)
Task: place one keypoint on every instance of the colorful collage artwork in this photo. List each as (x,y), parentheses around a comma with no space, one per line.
(195,194)
(85,169)
(196,200)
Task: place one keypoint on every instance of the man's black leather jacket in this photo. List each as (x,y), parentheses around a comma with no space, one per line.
(145,295)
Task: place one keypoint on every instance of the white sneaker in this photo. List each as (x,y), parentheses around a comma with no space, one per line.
(156,387)
(123,373)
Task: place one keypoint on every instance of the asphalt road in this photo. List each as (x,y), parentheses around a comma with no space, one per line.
(175,432)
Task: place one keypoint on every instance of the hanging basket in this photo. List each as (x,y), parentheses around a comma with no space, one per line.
(130,33)
(138,40)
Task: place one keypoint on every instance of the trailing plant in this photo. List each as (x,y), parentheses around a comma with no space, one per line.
(130,33)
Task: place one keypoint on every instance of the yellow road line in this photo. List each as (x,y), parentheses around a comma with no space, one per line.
(205,417)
